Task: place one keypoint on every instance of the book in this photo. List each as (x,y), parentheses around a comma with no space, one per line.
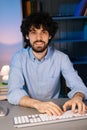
(81,8)
(28,7)
(85,31)
(3,91)
(31,6)
(85,14)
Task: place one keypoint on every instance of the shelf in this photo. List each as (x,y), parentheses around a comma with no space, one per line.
(80,60)
(69,17)
(71,29)
(68,40)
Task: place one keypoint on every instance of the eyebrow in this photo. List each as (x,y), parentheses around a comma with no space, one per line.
(34,29)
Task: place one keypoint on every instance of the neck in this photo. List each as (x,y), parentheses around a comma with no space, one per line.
(40,55)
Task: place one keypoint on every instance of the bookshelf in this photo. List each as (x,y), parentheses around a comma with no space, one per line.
(75,32)
(71,37)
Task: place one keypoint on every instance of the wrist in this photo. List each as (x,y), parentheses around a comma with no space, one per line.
(79,96)
(36,104)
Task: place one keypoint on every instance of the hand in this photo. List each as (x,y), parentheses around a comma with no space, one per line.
(75,103)
(43,107)
(50,108)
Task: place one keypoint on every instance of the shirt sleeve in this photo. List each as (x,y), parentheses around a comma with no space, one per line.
(16,81)
(73,80)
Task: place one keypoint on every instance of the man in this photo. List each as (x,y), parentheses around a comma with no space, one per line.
(35,71)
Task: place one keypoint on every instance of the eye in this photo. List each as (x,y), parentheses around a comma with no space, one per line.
(33,32)
(44,32)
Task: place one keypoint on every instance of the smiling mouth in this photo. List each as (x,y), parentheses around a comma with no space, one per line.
(38,43)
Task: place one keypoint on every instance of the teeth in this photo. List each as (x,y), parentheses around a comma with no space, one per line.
(39,43)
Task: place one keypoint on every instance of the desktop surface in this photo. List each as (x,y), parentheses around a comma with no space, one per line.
(6,123)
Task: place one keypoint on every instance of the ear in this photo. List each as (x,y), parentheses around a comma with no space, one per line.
(50,37)
(27,37)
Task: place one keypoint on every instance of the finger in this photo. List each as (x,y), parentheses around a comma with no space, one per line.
(73,107)
(50,108)
(56,111)
(52,111)
(56,108)
(48,112)
(81,108)
(84,108)
(66,105)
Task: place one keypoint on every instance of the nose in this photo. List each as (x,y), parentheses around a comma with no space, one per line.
(39,36)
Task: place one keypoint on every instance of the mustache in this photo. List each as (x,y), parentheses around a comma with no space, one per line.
(39,41)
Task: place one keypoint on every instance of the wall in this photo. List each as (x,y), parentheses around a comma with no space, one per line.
(10,36)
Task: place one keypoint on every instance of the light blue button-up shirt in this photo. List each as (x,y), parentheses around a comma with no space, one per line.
(41,78)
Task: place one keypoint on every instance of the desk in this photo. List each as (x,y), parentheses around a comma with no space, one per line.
(6,123)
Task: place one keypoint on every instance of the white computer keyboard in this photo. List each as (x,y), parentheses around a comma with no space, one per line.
(41,119)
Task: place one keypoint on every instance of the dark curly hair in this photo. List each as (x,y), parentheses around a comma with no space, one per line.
(36,20)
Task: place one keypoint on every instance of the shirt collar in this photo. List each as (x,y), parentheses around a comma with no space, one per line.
(49,52)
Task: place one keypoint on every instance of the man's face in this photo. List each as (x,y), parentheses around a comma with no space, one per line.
(38,38)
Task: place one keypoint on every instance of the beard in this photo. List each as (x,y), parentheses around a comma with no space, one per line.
(39,48)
